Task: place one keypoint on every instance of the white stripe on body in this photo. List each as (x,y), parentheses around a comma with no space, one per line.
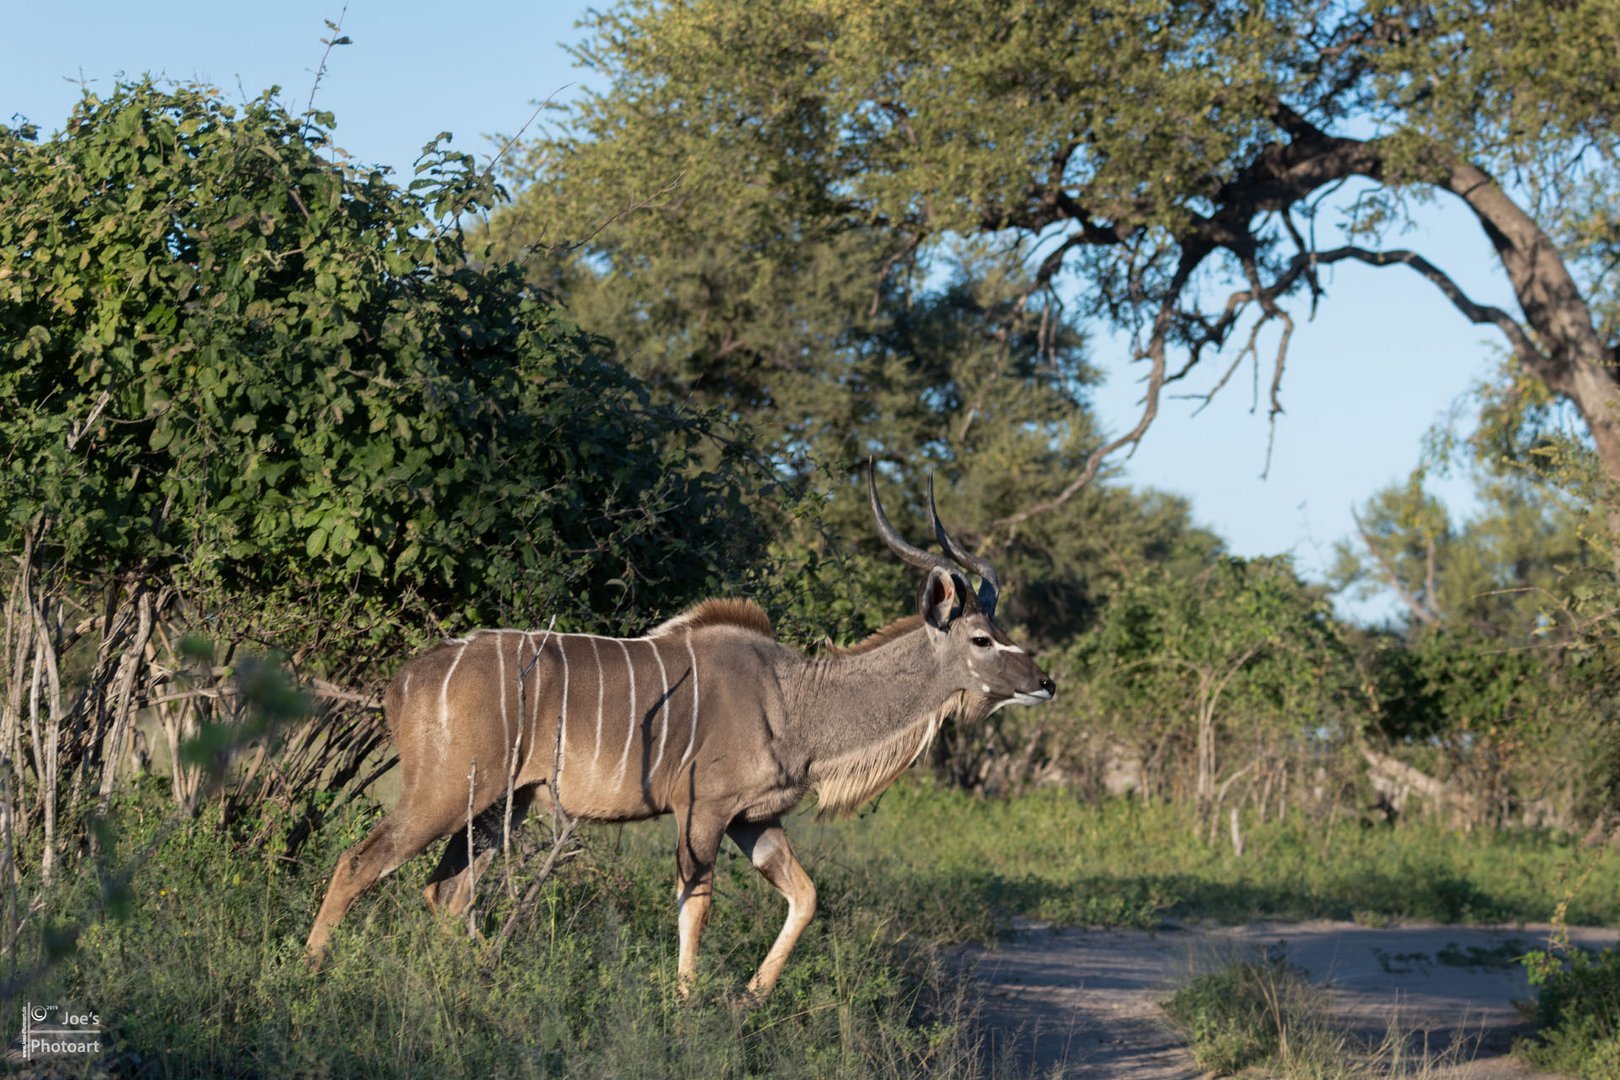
(562,726)
(600,687)
(663,734)
(444,694)
(691,738)
(516,744)
(534,663)
(630,727)
(500,677)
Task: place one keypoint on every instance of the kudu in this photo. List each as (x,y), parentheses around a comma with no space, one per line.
(707,717)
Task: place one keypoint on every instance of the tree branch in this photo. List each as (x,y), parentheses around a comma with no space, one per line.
(1483,314)
(1154,353)
(1422,611)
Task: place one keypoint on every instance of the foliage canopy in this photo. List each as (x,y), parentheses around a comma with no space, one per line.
(1184,166)
(238,362)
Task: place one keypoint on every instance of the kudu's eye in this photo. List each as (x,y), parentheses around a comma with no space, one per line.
(981,641)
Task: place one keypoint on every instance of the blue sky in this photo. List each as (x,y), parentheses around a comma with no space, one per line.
(1384,359)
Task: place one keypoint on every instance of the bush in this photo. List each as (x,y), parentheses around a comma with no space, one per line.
(1577,1013)
(287,385)
(252,390)
(1255,1012)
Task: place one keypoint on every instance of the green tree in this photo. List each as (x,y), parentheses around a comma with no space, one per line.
(1172,160)
(1499,677)
(832,348)
(1515,571)
(1238,672)
(259,393)
(1523,732)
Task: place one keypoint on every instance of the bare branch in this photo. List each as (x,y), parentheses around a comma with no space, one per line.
(905,251)
(338,38)
(489,170)
(1483,314)
(565,248)
(1154,353)
(1271,311)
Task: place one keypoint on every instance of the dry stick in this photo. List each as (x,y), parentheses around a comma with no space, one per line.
(1154,353)
(9,991)
(472,876)
(1269,311)
(8,868)
(1305,264)
(1423,612)
(1220,798)
(559,816)
(215,693)
(562,825)
(565,248)
(38,746)
(559,842)
(1276,386)
(94,716)
(337,38)
(17,658)
(489,170)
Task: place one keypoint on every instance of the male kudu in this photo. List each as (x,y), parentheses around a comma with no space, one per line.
(707,717)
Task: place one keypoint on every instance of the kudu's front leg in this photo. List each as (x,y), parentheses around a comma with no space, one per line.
(696,846)
(767,847)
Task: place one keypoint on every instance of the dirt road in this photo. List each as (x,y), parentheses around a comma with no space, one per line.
(1087,1003)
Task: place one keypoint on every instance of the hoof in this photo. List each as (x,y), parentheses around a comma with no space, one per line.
(746,1000)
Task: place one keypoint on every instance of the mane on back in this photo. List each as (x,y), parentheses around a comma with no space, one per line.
(898,628)
(743,614)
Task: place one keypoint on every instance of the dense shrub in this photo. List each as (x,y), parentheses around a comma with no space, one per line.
(255,391)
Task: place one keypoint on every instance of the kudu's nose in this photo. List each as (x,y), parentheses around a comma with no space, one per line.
(1049,686)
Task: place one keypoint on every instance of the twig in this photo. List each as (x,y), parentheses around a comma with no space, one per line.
(1154,353)
(558,843)
(472,862)
(489,170)
(1424,612)
(337,38)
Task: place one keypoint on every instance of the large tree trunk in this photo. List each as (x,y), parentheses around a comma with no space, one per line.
(1556,340)
(1563,349)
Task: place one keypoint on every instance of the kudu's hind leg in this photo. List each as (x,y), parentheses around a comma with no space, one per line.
(767,847)
(450,886)
(396,838)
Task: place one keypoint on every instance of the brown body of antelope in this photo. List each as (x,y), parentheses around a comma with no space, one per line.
(706,717)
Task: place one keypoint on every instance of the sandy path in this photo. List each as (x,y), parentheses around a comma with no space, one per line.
(1086,1003)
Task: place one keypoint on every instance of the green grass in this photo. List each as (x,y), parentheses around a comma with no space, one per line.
(967,865)
(1255,1012)
(190,948)
(204,975)
(1261,1016)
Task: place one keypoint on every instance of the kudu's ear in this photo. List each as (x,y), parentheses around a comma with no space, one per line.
(944,598)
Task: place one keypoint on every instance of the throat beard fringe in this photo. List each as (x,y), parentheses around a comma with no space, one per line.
(843,784)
